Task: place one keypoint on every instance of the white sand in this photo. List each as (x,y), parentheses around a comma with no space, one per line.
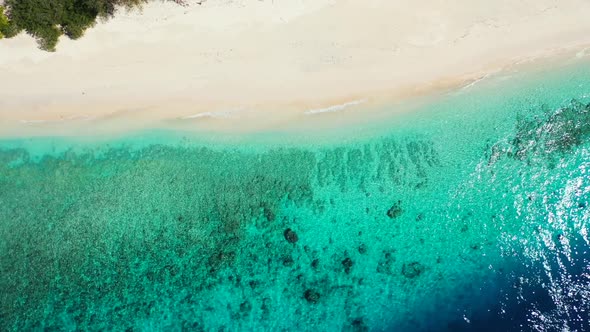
(268,62)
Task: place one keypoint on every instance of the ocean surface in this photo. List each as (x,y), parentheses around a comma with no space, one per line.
(468,214)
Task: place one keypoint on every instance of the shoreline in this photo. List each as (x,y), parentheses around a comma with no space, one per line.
(244,93)
(544,84)
(367,111)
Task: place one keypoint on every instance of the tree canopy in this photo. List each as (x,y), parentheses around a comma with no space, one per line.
(47,20)
(3,22)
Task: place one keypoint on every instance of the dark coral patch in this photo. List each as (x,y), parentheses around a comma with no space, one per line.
(268,213)
(245,307)
(395,210)
(412,270)
(290,236)
(288,261)
(358,325)
(315,263)
(362,249)
(347,263)
(386,263)
(311,296)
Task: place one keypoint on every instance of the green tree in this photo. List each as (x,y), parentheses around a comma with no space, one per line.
(3,22)
(108,8)
(8,28)
(47,20)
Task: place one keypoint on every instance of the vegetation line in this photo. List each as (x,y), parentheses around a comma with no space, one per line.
(47,20)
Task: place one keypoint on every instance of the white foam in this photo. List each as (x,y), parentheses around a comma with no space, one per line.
(476,81)
(226,114)
(71,118)
(582,53)
(335,108)
(32,121)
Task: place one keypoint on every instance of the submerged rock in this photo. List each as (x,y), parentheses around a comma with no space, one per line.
(290,236)
(311,296)
(395,210)
(412,270)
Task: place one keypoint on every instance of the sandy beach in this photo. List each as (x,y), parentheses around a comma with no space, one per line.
(263,63)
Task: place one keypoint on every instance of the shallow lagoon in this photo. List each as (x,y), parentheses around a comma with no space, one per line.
(470,214)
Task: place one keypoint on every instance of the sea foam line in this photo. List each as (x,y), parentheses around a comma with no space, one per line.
(71,118)
(335,108)
(474,82)
(208,115)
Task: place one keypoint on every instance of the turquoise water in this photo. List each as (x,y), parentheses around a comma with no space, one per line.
(469,214)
